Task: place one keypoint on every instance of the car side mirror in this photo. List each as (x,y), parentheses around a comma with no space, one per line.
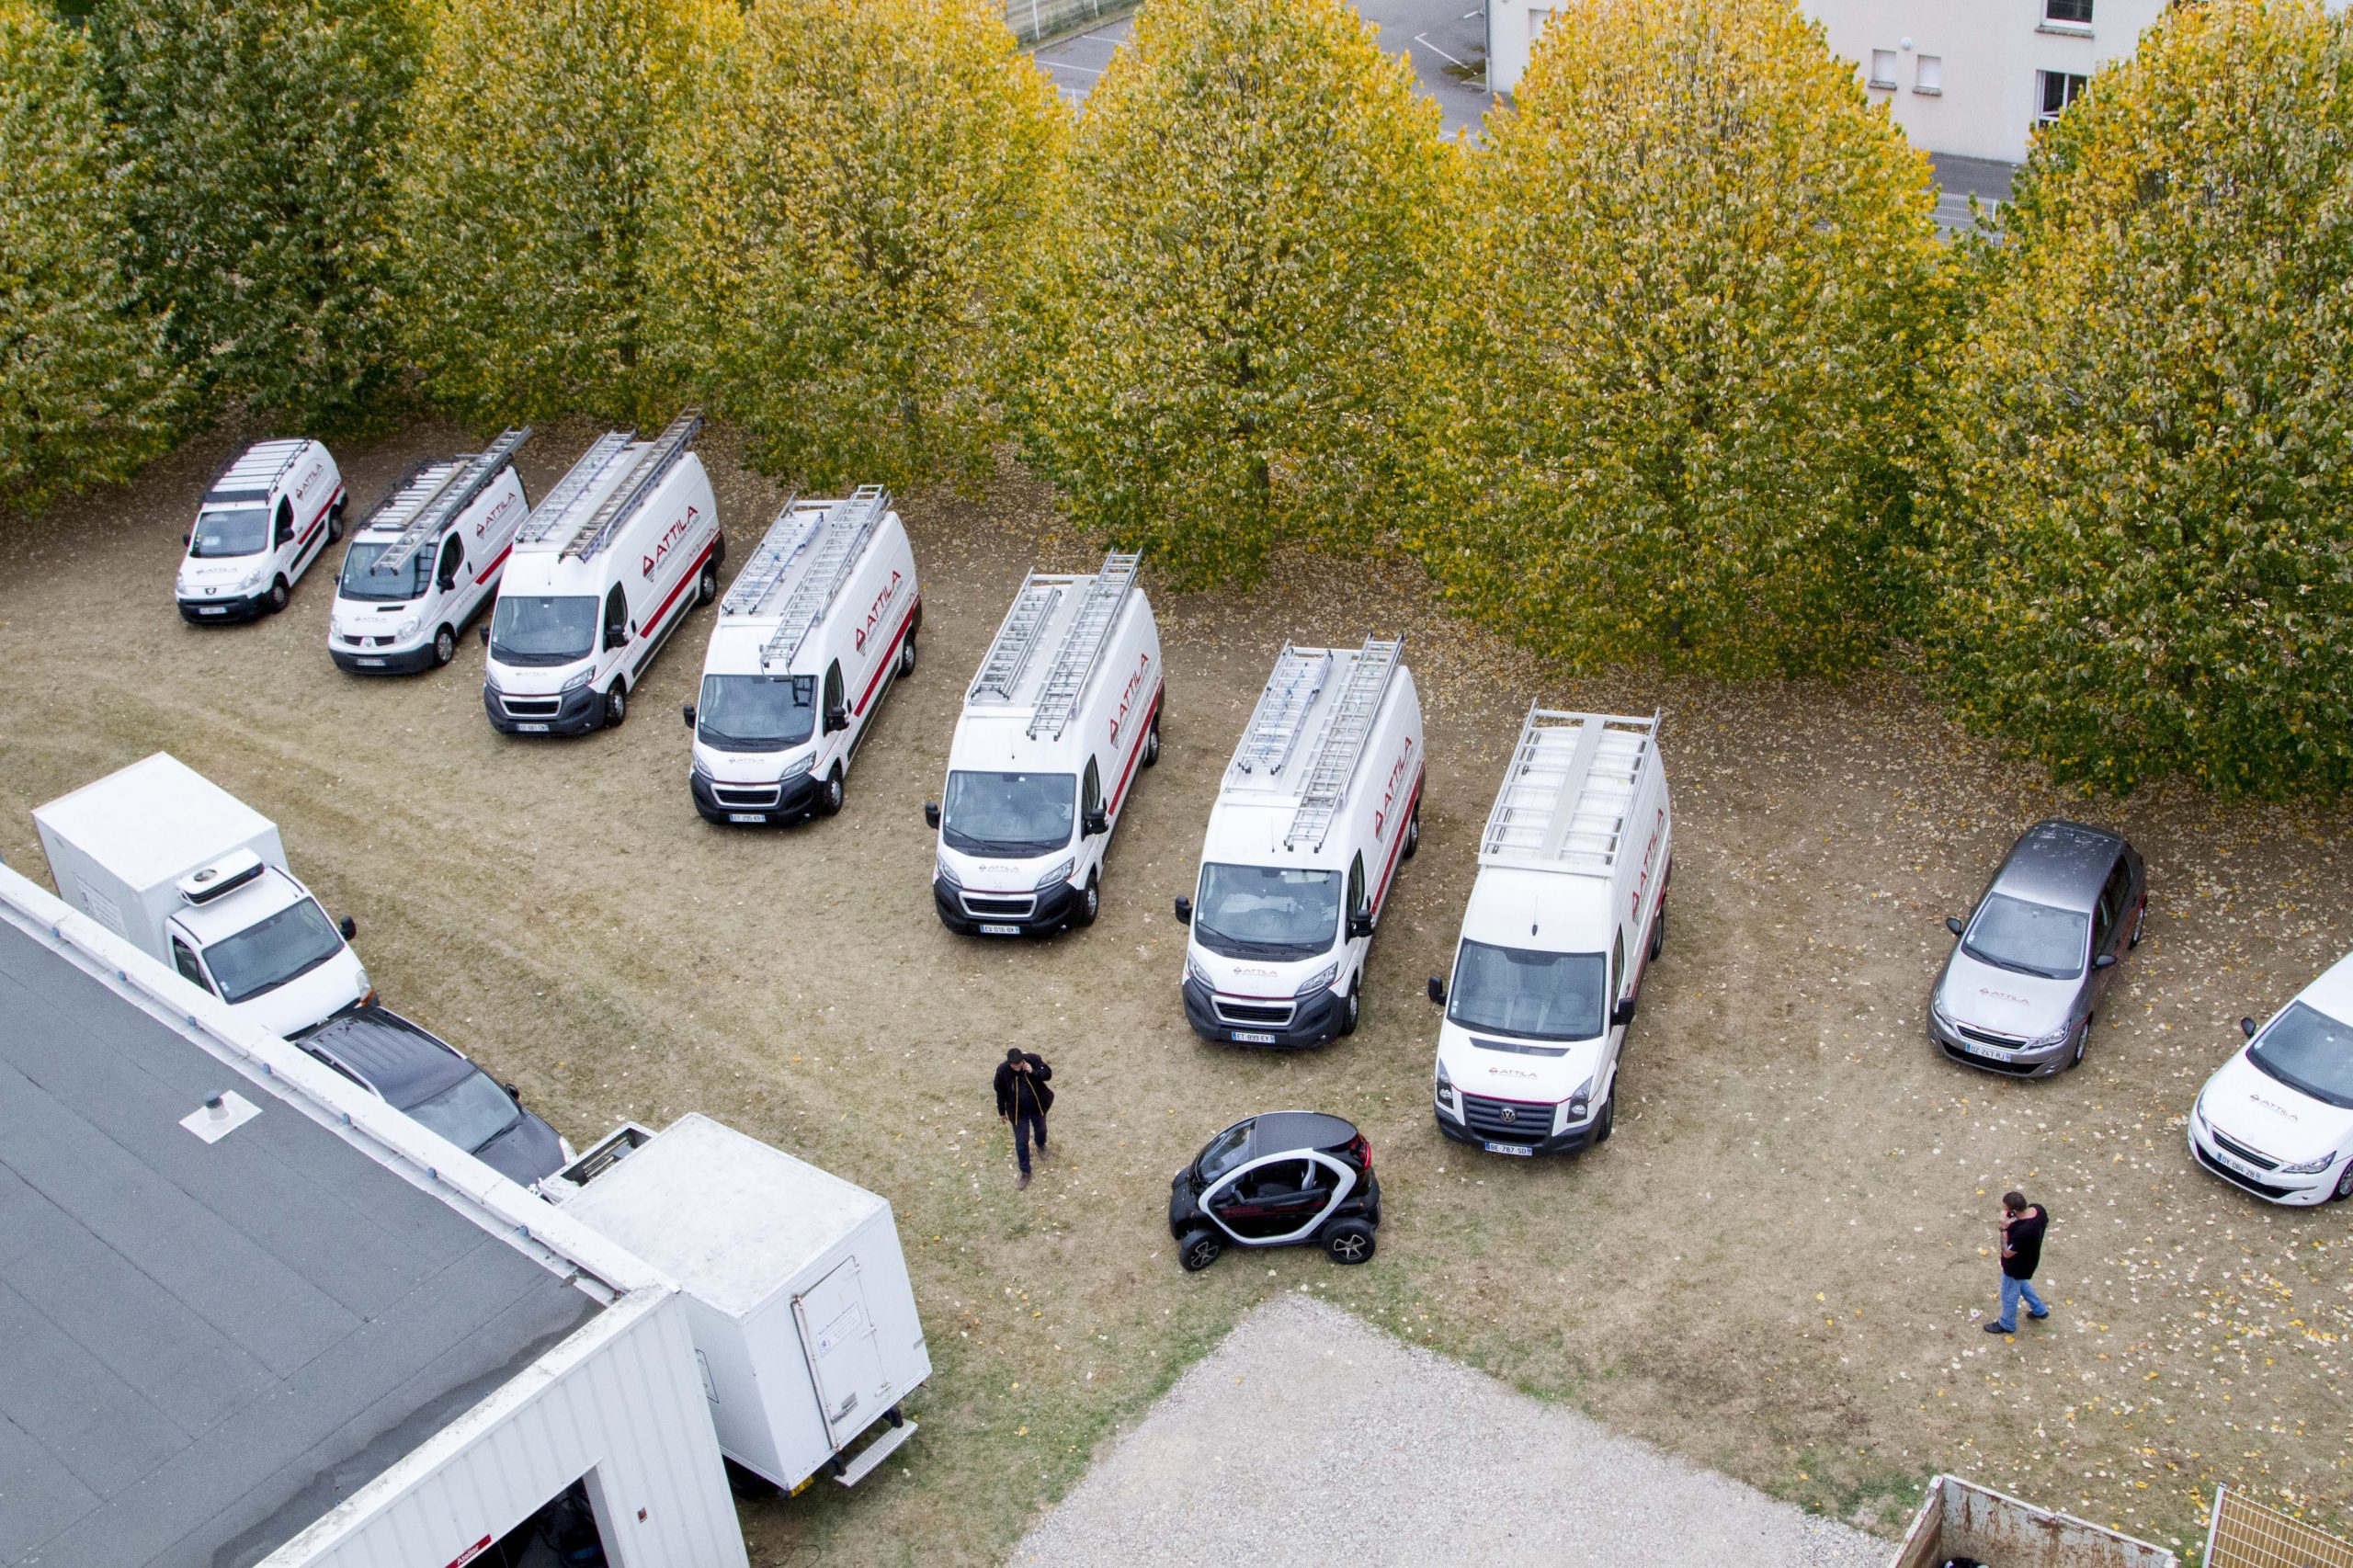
(1098,822)
(1952,923)
(1359,925)
(188,538)
(2106,960)
(1622,1013)
(2246,1027)
(348,926)
(931,813)
(485,629)
(836,718)
(686,712)
(512,1093)
(1437,991)
(1184,912)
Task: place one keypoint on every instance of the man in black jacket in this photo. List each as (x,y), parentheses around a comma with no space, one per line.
(2021,1231)
(1023,1099)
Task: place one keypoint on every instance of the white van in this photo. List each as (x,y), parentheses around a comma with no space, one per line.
(816,627)
(600,575)
(1064,711)
(267,515)
(425,561)
(1569,909)
(1320,803)
(2277,1118)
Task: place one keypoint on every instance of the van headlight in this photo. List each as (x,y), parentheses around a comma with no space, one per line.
(698,768)
(576,682)
(1321,979)
(795,767)
(1580,1101)
(252,580)
(1445,1085)
(2310,1167)
(1059,874)
(1193,970)
(406,627)
(943,871)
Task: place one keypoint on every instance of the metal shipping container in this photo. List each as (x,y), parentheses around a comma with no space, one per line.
(1961,1518)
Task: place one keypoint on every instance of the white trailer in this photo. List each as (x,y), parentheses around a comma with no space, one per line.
(198,879)
(425,560)
(812,634)
(797,1293)
(266,518)
(601,575)
(1064,711)
(1320,804)
(1568,911)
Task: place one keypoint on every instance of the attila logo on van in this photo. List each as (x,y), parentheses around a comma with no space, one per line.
(493,514)
(669,540)
(874,612)
(1650,858)
(1128,697)
(1389,798)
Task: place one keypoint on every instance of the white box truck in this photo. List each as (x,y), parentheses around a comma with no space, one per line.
(1319,806)
(162,855)
(797,1294)
(266,518)
(425,560)
(601,575)
(812,634)
(1569,909)
(1064,711)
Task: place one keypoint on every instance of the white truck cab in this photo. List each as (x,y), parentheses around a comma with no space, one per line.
(267,515)
(601,575)
(1064,713)
(813,633)
(1320,805)
(425,560)
(1569,909)
(165,857)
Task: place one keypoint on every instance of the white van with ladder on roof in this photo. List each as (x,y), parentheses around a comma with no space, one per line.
(425,561)
(813,632)
(1063,716)
(601,573)
(1568,911)
(266,518)
(1320,805)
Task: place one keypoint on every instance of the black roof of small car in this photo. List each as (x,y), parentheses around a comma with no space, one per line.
(390,1055)
(2059,863)
(1280,1131)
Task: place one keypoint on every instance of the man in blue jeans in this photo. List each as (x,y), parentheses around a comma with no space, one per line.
(2022,1227)
(1023,1099)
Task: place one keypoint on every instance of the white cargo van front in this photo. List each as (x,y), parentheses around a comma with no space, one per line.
(1064,711)
(162,857)
(1320,805)
(600,575)
(1569,909)
(265,518)
(425,560)
(811,635)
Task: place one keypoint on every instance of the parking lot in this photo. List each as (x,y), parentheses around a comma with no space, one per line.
(1777,1268)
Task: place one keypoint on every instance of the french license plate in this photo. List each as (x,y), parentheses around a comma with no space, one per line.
(1000,930)
(532,729)
(2241,1167)
(1251,1036)
(370,664)
(1522,1150)
(1991,1052)
(213,610)
(745,816)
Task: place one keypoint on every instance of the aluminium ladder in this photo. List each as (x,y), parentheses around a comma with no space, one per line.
(1017,639)
(458,489)
(848,526)
(1341,745)
(658,458)
(1274,730)
(1090,628)
(255,471)
(776,549)
(557,504)
(1565,798)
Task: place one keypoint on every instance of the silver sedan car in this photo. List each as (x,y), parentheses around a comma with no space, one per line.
(2037,954)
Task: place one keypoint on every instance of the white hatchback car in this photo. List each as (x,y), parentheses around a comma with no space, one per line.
(2277,1118)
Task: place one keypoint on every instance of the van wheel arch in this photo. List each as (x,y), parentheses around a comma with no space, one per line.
(1090,902)
(1352,1007)
(335,522)
(707,584)
(617,702)
(1151,740)
(444,644)
(280,592)
(908,654)
(829,799)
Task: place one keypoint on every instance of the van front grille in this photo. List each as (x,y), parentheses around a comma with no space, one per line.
(983,907)
(530,707)
(1278,1014)
(747,799)
(1508,1121)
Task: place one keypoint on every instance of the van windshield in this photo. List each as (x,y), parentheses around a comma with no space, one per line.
(1012,816)
(543,631)
(469,1113)
(361,581)
(2308,1052)
(1533,995)
(269,953)
(2033,938)
(231,530)
(1266,912)
(755,712)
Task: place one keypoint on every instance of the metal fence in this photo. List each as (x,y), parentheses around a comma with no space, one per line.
(2246,1534)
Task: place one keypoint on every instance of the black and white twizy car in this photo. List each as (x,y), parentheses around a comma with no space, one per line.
(1274,1180)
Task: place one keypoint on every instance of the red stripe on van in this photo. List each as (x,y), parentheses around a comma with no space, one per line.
(1141,731)
(1398,843)
(888,656)
(495,566)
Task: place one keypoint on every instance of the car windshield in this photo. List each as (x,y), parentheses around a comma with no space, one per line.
(1015,816)
(2308,1052)
(1266,912)
(269,953)
(361,581)
(528,630)
(2032,939)
(755,712)
(1225,1152)
(231,530)
(1534,995)
(469,1113)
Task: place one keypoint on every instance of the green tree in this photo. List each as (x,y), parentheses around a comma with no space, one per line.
(2144,555)
(1697,289)
(86,392)
(259,133)
(524,200)
(850,226)
(1252,222)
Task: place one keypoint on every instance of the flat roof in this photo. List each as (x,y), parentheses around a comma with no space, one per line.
(211,1344)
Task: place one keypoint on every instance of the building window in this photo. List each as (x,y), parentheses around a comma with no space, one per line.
(1882,68)
(2068,13)
(1929,75)
(2056,90)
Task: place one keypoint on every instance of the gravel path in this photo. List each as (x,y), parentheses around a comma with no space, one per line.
(1310,1436)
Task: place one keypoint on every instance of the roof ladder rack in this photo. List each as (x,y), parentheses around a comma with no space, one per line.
(255,471)
(1274,730)
(465,481)
(1342,742)
(1565,798)
(848,526)
(557,503)
(1017,639)
(660,456)
(1098,610)
(766,567)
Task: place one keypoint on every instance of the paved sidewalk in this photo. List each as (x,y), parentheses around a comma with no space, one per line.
(1310,1437)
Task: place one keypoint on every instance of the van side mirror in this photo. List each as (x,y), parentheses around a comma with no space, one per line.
(348,926)
(485,629)
(448,580)
(1098,822)
(616,637)
(2246,1027)
(1437,991)
(836,718)
(686,712)
(931,813)
(1359,925)
(1184,912)
(1952,923)
(1622,1013)
(2106,960)
(188,538)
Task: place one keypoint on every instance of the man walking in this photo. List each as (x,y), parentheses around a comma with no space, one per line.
(2021,1231)
(1023,1099)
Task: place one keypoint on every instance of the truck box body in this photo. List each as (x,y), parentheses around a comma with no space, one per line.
(139,851)
(425,560)
(811,635)
(1567,912)
(1316,812)
(266,518)
(798,1295)
(1961,1518)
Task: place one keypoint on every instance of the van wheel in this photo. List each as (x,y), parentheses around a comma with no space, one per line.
(1658,931)
(335,522)
(707,589)
(1413,834)
(445,646)
(829,799)
(1152,742)
(1090,903)
(1197,1249)
(907,656)
(278,594)
(1349,1241)
(1608,1122)
(615,704)
(1351,1009)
